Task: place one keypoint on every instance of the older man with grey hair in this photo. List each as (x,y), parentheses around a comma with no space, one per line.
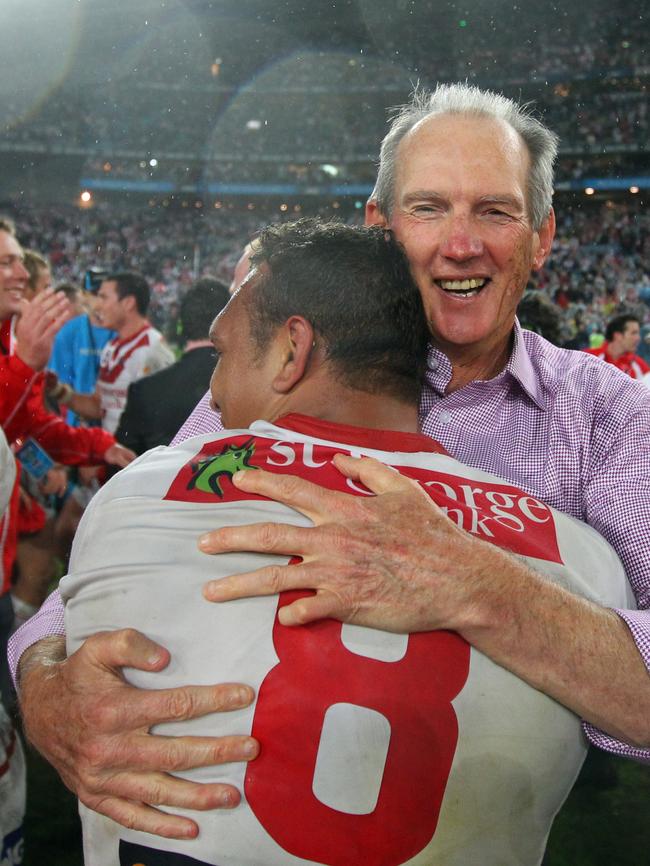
(465,183)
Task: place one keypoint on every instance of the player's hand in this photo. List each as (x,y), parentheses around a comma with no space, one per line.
(94,728)
(39,322)
(118,455)
(393,561)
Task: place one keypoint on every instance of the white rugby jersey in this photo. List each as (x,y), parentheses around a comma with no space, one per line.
(376,749)
(126,361)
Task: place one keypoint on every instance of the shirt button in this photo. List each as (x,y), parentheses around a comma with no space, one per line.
(432,364)
(444,417)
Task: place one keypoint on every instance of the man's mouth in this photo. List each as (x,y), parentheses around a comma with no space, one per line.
(463,288)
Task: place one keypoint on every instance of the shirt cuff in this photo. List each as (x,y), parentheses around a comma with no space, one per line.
(47,622)
(638,621)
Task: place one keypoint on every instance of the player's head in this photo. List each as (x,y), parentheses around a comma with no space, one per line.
(13,275)
(320,299)
(201,303)
(74,294)
(40,273)
(465,184)
(538,313)
(471,101)
(624,332)
(122,296)
(241,268)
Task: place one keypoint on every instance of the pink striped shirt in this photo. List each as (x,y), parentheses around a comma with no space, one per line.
(564,426)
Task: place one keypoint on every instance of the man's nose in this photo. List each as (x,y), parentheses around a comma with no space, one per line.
(461,241)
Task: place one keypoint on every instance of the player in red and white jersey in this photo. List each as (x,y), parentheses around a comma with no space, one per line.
(376,748)
(623,335)
(137,350)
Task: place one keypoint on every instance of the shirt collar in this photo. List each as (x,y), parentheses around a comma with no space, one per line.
(520,367)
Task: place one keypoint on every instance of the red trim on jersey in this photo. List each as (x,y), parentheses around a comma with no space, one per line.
(126,340)
(628,362)
(111,374)
(364,437)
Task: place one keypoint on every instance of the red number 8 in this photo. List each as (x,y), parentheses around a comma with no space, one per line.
(316,671)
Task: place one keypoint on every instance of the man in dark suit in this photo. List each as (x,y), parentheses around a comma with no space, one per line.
(157,405)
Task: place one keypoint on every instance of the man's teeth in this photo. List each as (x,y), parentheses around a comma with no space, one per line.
(462,285)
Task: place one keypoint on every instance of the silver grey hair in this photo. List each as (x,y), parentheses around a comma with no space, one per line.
(466,99)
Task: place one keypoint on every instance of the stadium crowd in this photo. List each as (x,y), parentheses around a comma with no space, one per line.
(599,265)
(588,77)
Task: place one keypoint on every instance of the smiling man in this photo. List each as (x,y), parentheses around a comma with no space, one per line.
(466,183)
(459,203)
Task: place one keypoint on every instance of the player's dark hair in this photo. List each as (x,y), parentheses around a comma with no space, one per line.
(619,324)
(201,303)
(537,313)
(70,290)
(354,286)
(131,283)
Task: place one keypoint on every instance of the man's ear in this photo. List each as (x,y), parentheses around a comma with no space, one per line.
(374,217)
(296,348)
(128,301)
(545,234)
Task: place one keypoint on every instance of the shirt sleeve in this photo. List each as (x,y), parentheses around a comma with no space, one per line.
(23,413)
(618,506)
(47,622)
(203,419)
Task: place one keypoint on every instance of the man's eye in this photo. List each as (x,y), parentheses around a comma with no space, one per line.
(425,210)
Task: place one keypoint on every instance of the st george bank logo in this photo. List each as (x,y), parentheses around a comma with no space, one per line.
(496,512)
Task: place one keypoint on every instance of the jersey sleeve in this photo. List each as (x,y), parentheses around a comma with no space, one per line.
(157,358)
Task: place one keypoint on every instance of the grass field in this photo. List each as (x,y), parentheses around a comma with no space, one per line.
(603,823)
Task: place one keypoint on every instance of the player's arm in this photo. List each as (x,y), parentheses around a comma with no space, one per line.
(94,727)
(396,562)
(88,406)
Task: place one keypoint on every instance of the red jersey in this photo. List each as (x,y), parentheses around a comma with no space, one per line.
(628,362)
(23,414)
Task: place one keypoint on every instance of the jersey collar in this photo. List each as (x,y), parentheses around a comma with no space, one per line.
(346,434)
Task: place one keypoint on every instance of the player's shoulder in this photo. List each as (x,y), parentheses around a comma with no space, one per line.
(157,350)
(151,474)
